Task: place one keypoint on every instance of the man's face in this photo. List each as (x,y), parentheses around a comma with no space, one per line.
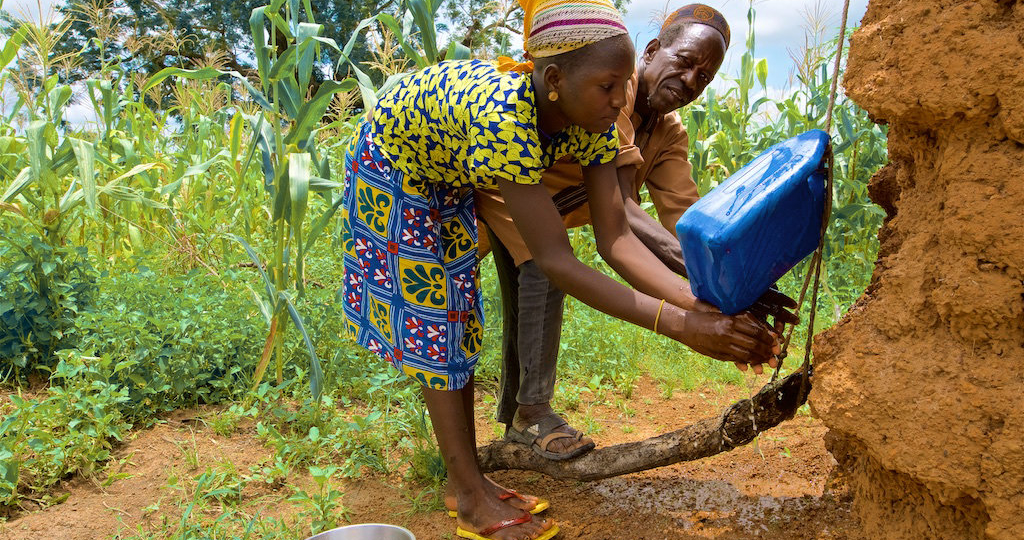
(678,72)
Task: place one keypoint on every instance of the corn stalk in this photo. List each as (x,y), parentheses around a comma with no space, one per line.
(287,49)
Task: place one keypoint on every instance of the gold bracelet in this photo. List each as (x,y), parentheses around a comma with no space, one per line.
(658,316)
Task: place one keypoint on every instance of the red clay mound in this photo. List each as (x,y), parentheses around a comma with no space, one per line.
(921,384)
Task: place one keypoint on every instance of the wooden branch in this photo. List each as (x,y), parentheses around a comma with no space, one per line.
(737,426)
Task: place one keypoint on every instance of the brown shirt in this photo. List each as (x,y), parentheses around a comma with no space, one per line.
(659,152)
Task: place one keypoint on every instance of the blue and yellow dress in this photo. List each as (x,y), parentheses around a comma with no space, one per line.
(410,235)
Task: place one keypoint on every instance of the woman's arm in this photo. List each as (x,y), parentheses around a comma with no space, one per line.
(734,339)
(620,247)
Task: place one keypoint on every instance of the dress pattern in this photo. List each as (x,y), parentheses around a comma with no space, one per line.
(410,288)
(466,123)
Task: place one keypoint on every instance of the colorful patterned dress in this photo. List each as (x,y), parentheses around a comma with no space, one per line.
(410,261)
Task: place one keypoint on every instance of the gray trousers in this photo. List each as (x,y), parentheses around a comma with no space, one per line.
(531,309)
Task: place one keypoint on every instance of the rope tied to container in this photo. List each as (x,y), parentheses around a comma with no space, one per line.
(816,258)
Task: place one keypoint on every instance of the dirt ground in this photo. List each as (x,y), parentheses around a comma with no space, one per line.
(778,489)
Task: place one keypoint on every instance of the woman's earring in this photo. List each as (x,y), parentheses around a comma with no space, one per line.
(552,96)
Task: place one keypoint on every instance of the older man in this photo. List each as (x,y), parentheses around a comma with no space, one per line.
(673,70)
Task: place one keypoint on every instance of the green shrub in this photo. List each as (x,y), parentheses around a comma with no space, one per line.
(69,431)
(43,289)
(177,340)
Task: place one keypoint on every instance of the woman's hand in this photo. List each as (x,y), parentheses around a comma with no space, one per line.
(741,339)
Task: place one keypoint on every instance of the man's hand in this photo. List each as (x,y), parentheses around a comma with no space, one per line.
(776,305)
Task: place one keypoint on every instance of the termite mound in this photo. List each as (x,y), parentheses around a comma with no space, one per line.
(921,383)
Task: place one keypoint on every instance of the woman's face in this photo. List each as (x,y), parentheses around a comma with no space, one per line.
(592,93)
(676,73)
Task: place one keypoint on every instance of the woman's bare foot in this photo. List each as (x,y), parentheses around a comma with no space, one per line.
(519,501)
(480,514)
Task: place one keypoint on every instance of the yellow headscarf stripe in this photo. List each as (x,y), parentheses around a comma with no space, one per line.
(577,3)
(528,8)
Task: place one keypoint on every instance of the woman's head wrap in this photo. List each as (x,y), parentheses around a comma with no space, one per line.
(700,14)
(552,27)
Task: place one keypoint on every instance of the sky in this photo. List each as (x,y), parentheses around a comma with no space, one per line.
(780,27)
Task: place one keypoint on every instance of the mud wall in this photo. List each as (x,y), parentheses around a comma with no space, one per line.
(922,383)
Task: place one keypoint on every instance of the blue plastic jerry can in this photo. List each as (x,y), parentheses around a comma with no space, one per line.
(760,222)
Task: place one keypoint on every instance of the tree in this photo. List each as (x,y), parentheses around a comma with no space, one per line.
(149,35)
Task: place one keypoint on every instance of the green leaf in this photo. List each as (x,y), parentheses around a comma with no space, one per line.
(259,39)
(757,104)
(762,72)
(293,14)
(281,25)
(457,51)
(322,222)
(298,172)
(313,110)
(299,165)
(288,92)
(423,13)
(282,67)
(262,136)
(201,168)
(320,185)
(85,153)
(306,34)
(10,49)
(316,374)
(58,98)
(261,304)
(20,182)
(366,87)
(203,74)
(281,195)
(36,138)
(252,151)
(121,193)
(136,170)
(235,132)
(254,93)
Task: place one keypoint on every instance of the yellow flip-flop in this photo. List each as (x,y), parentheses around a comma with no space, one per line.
(485,534)
(542,504)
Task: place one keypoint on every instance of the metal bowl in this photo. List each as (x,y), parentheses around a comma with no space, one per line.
(365,531)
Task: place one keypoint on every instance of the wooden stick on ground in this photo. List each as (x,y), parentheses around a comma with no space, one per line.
(737,426)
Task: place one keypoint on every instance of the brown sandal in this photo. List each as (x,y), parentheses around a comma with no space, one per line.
(540,435)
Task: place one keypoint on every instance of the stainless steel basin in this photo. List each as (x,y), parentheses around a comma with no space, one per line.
(365,531)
